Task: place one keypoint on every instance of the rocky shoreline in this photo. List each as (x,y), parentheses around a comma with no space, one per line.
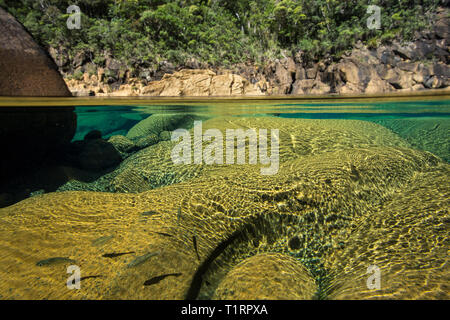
(416,65)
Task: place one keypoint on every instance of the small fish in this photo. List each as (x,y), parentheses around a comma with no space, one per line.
(194,240)
(157,279)
(141,259)
(149,213)
(179,216)
(435,127)
(163,234)
(54,260)
(113,255)
(91,277)
(102,240)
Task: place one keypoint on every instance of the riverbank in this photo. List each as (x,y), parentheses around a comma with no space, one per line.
(416,65)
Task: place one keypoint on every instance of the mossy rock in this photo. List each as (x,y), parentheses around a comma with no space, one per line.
(157,123)
(122,143)
(351,192)
(267,276)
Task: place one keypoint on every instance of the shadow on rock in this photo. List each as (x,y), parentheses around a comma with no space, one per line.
(85,160)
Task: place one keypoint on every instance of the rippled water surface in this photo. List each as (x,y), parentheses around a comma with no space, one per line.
(356,206)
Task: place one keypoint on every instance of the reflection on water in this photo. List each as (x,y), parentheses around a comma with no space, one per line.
(358,208)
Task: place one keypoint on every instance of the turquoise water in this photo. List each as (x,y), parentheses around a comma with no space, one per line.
(356,186)
(415,121)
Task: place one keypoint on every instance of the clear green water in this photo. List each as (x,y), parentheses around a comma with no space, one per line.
(415,121)
(359,185)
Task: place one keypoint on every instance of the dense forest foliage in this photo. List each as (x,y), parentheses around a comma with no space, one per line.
(143,33)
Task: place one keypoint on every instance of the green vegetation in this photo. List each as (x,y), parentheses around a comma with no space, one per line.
(144,33)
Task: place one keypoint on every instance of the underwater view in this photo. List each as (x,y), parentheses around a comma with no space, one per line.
(217,159)
(229,199)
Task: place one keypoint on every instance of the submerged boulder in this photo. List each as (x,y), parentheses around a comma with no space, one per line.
(157,123)
(93,153)
(122,143)
(271,276)
(98,154)
(349,194)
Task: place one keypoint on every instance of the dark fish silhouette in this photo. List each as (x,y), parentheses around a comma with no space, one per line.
(141,259)
(163,234)
(102,240)
(194,240)
(435,127)
(157,279)
(91,277)
(149,213)
(113,255)
(54,260)
(179,216)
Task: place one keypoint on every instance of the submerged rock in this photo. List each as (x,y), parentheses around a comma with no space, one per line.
(152,167)
(93,135)
(147,141)
(352,192)
(108,120)
(165,135)
(122,143)
(268,276)
(405,241)
(6,199)
(157,123)
(98,154)
(427,134)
